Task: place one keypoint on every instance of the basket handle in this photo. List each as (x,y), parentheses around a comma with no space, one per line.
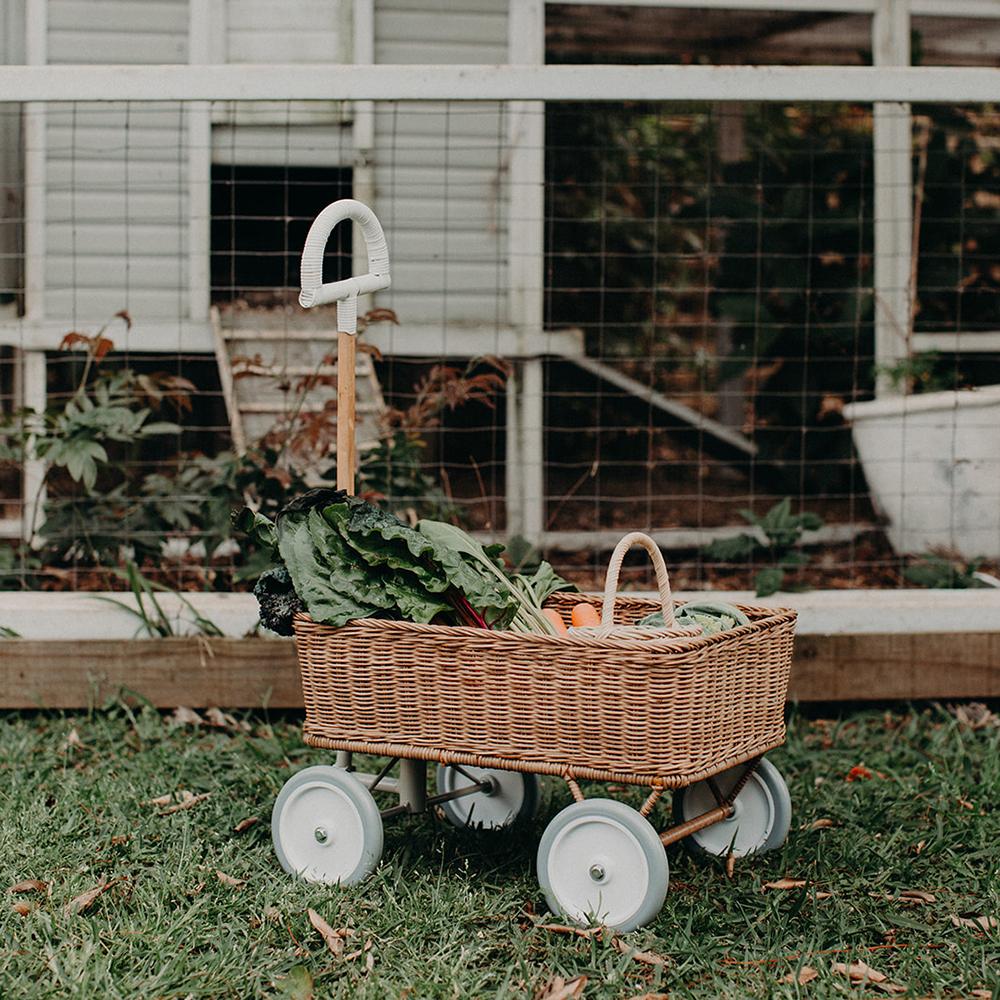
(614,568)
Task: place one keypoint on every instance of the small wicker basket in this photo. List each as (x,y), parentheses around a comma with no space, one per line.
(617,704)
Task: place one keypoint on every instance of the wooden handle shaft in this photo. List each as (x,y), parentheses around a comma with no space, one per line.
(346,448)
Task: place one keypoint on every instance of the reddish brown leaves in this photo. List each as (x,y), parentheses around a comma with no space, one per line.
(334,937)
(806,974)
(29,885)
(83,902)
(784,884)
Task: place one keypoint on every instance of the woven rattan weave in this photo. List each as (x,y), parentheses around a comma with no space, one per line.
(640,711)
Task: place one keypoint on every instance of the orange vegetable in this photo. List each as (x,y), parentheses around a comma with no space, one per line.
(556,619)
(585,615)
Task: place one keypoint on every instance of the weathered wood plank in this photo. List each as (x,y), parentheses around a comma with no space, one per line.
(878,667)
(257,672)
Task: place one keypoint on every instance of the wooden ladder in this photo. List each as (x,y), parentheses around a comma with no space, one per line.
(261,372)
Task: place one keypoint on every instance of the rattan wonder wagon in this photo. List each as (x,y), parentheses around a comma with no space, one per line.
(681,714)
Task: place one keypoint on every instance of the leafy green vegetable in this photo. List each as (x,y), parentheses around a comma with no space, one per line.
(345,558)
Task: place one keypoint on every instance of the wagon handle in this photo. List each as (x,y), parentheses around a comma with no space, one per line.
(614,568)
(345,293)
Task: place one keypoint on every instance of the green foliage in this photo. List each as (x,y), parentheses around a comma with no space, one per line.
(153,620)
(940,571)
(922,372)
(776,541)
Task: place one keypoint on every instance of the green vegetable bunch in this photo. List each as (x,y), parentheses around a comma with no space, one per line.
(346,559)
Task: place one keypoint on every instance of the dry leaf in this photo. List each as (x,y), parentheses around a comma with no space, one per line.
(229,880)
(119,839)
(559,989)
(29,885)
(245,824)
(784,883)
(918,848)
(982,994)
(223,720)
(917,896)
(859,972)
(72,742)
(21,908)
(161,800)
(78,904)
(730,864)
(188,800)
(369,962)
(651,996)
(805,975)
(334,937)
(644,957)
(821,824)
(182,716)
(584,932)
(980,923)
(822,895)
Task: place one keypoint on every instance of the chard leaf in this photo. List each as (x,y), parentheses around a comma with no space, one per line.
(328,578)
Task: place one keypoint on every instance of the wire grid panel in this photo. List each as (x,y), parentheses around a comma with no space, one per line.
(706,309)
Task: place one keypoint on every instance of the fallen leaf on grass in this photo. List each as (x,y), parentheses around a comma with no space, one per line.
(29,885)
(651,996)
(805,975)
(730,865)
(861,972)
(223,720)
(975,715)
(78,904)
(784,883)
(119,839)
(229,880)
(821,824)
(917,896)
(245,824)
(982,994)
(644,957)
(334,937)
(559,989)
(822,895)
(160,800)
(183,716)
(72,742)
(584,932)
(188,800)
(980,923)
(858,773)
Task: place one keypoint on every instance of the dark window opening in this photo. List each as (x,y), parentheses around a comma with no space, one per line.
(260,217)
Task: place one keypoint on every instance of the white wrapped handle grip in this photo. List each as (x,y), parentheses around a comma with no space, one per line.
(345,293)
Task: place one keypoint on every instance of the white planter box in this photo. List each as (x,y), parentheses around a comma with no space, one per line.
(933,464)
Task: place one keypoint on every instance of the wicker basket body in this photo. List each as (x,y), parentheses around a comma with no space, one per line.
(663,713)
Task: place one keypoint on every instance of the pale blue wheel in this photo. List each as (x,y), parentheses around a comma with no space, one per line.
(326,827)
(601,861)
(510,796)
(761,819)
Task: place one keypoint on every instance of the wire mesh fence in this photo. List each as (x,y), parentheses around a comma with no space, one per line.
(708,312)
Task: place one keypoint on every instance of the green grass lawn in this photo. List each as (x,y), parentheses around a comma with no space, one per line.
(453,913)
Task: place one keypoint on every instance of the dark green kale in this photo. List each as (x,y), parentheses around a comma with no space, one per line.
(277,599)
